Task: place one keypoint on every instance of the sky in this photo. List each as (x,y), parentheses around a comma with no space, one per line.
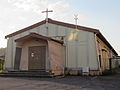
(99,14)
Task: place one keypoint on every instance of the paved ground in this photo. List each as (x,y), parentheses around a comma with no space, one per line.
(67,83)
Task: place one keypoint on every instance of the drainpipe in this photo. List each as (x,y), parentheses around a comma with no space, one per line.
(65,44)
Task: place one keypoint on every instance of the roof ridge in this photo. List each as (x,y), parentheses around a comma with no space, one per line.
(65,25)
(53,22)
(73,25)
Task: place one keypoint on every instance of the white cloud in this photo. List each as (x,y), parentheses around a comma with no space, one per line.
(61,9)
(30,5)
(22,13)
(17,14)
(3,42)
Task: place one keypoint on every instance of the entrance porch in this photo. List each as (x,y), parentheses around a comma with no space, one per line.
(35,52)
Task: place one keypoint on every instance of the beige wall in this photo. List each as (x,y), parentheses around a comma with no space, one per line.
(105,52)
(57,57)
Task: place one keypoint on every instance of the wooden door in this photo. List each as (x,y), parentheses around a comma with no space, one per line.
(37,57)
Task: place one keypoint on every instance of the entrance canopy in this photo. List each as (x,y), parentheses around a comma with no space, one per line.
(35,51)
(37,36)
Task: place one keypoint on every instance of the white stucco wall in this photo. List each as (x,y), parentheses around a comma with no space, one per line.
(80,46)
(9,54)
(82,51)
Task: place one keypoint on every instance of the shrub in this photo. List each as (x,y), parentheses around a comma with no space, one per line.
(1,64)
(109,72)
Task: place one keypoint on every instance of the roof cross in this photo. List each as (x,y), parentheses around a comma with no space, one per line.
(76,18)
(47,11)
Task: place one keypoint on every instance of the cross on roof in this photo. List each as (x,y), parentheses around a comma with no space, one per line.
(76,18)
(47,11)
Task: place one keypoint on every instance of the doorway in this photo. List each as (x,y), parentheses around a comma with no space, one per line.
(37,57)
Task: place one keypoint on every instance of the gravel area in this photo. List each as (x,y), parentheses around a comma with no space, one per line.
(66,83)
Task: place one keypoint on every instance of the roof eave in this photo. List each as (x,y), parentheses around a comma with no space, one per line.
(52,22)
(25,29)
(106,42)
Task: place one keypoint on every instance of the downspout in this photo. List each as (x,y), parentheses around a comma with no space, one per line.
(65,49)
(65,44)
(97,52)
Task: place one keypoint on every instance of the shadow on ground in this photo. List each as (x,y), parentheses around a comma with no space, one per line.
(67,83)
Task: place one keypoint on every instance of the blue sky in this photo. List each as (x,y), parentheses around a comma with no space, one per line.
(104,15)
(100,14)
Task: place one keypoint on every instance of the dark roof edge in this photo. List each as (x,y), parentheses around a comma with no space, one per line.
(52,22)
(35,35)
(73,26)
(26,29)
(65,25)
(106,42)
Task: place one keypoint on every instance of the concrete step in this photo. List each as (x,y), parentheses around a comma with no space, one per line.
(33,73)
(40,70)
(23,75)
(26,74)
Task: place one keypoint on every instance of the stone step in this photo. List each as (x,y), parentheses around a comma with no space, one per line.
(26,74)
(41,70)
